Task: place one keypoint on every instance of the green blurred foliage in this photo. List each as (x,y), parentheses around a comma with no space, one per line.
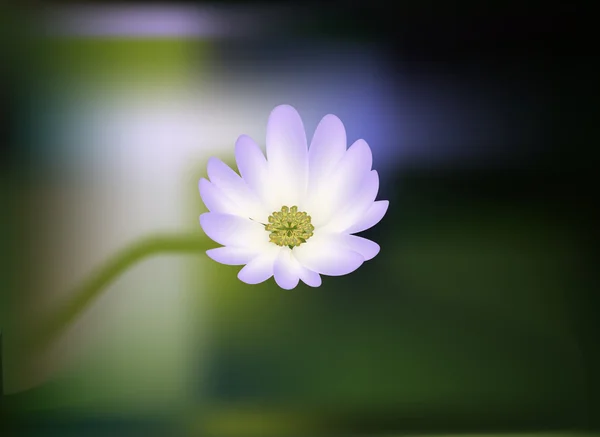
(465,319)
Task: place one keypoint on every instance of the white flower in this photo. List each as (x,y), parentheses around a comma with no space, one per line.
(292,216)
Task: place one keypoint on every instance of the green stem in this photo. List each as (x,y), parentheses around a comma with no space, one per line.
(93,286)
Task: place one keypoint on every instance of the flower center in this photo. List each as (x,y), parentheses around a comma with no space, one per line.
(289,227)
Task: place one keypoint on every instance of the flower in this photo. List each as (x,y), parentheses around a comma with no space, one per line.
(292,215)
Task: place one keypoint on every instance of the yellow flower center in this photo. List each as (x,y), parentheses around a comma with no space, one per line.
(289,227)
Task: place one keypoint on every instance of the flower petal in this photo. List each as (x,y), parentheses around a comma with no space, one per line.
(215,199)
(253,166)
(287,156)
(233,256)
(310,278)
(286,269)
(327,148)
(327,255)
(259,269)
(344,183)
(234,187)
(371,217)
(223,176)
(367,248)
(232,230)
(357,206)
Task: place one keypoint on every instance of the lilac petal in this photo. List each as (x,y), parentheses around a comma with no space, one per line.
(328,256)
(357,206)
(223,176)
(367,248)
(233,256)
(287,155)
(371,217)
(215,200)
(253,166)
(343,184)
(286,270)
(234,187)
(326,150)
(310,278)
(232,230)
(259,269)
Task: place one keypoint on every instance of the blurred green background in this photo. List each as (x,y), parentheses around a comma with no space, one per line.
(479,315)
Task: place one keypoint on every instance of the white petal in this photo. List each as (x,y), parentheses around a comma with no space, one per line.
(287,156)
(259,269)
(325,254)
(357,206)
(232,230)
(223,176)
(286,269)
(310,278)
(326,150)
(371,217)
(215,199)
(253,166)
(233,256)
(344,183)
(236,189)
(367,248)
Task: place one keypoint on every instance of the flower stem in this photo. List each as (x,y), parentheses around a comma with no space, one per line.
(93,286)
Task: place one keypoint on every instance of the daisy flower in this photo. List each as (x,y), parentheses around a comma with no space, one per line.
(292,214)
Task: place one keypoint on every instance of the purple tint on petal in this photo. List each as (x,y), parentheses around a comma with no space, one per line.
(357,206)
(286,137)
(310,278)
(367,194)
(233,256)
(285,270)
(327,148)
(287,153)
(231,230)
(336,265)
(258,270)
(252,164)
(214,198)
(367,248)
(328,256)
(222,175)
(359,153)
(236,189)
(371,217)
(343,184)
